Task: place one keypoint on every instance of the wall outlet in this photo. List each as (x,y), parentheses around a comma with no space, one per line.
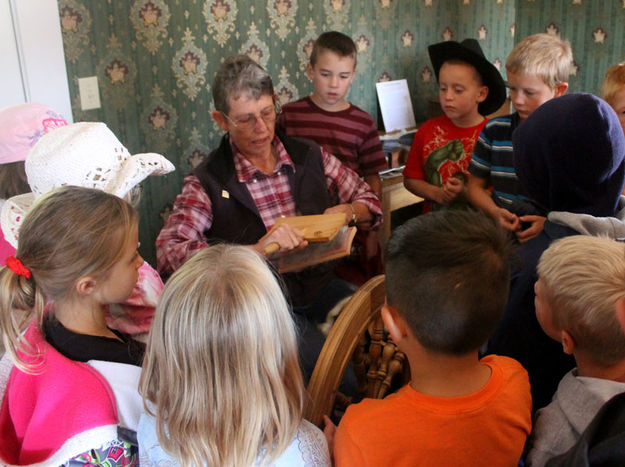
(89,93)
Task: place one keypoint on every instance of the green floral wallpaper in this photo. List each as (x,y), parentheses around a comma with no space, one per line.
(155,59)
(594,28)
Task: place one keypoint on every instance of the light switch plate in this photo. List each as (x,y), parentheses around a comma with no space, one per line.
(89,93)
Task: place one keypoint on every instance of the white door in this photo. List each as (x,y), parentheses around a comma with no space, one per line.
(31,55)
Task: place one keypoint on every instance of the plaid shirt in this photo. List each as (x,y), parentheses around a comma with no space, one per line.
(183,233)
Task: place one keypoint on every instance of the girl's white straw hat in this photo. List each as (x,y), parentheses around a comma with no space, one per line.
(85,154)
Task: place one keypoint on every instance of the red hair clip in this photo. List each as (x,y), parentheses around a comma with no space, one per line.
(17,267)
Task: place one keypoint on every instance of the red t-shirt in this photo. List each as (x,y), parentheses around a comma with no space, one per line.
(441,149)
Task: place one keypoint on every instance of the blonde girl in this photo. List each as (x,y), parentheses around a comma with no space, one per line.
(89,154)
(69,383)
(221,380)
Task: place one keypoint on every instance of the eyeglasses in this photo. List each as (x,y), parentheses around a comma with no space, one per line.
(248,122)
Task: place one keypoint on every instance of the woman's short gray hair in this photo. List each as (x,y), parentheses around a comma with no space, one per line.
(239,75)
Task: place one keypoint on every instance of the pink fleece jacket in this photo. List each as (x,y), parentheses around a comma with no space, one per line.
(64,409)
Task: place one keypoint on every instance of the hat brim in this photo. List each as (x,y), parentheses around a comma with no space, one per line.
(452,50)
(12,215)
(134,170)
(137,168)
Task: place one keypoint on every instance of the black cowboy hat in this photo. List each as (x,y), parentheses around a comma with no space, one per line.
(469,51)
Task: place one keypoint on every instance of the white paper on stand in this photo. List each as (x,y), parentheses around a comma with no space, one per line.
(395,105)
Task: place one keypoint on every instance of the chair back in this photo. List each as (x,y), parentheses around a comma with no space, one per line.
(357,335)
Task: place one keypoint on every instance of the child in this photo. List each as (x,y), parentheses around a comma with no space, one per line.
(343,130)
(21,126)
(447,276)
(327,118)
(613,90)
(577,174)
(538,69)
(470,87)
(60,158)
(221,381)
(69,383)
(579,292)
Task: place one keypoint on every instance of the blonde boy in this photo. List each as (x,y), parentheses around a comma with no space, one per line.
(613,90)
(580,294)
(470,87)
(326,116)
(538,69)
(447,280)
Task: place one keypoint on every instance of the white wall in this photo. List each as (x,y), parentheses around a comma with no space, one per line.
(31,51)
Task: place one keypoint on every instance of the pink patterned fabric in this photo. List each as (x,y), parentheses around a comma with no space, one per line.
(271,193)
(5,249)
(21,126)
(40,412)
(135,315)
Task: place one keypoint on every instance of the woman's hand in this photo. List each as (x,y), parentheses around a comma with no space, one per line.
(284,240)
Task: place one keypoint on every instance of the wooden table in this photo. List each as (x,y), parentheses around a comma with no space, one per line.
(394,196)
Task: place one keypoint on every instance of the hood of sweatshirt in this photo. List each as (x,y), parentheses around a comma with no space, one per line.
(569,155)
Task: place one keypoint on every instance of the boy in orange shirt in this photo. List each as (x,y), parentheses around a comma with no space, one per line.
(470,87)
(447,280)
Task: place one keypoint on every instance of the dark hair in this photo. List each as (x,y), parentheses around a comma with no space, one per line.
(448,276)
(458,61)
(13,180)
(239,75)
(336,42)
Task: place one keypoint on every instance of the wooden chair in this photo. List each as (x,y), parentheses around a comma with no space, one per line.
(357,335)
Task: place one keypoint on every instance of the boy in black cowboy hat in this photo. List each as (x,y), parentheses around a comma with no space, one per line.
(470,87)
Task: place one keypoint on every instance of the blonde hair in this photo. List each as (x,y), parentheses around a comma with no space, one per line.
(545,55)
(613,82)
(71,232)
(221,368)
(584,277)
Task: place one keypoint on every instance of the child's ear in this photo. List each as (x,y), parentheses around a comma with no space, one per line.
(85,285)
(309,71)
(560,89)
(568,343)
(483,94)
(620,312)
(220,119)
(394,323)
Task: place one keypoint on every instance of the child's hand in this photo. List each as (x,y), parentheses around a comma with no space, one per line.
(507,220)
(450,190)
(537,223)
(329,431)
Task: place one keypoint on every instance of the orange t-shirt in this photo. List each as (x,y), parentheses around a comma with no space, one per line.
(488,427)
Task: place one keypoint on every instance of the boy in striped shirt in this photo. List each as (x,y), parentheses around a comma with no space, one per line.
(327,118)
(538,69)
